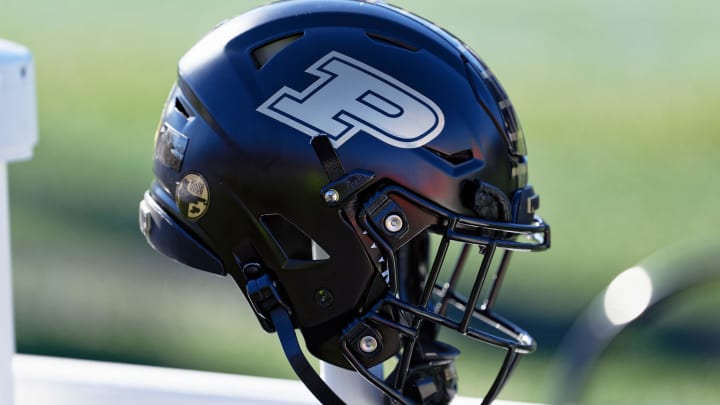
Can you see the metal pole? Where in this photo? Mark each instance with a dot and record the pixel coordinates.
(18, 135)
(350, 386)
(7, 328)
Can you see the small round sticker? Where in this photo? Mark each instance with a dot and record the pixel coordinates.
(192, 196)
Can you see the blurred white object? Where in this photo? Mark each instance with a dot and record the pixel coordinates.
(646, 290)
(49, 381)
(18, 135)
(18, 107)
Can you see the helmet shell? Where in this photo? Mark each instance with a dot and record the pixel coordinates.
(260, 174)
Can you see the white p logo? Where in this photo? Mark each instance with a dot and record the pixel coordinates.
(349, 97)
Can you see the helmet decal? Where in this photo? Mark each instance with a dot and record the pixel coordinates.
(192, 196)
(350, 97)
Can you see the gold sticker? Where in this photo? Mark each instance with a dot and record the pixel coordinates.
(192, 196)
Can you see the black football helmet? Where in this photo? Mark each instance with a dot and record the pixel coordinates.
(309, 149)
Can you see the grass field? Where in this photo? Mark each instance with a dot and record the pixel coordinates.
(618, 101)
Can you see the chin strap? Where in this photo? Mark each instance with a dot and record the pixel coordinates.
(266, 302)
(298, 362)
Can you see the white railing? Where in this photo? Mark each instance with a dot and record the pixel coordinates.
(43, 380)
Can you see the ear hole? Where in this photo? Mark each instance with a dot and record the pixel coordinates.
(262, 54)
(292, 242)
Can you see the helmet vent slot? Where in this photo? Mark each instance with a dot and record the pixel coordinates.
(391, 41)
(291, 241)
(180, 107)
(262, 54)
(453, 158)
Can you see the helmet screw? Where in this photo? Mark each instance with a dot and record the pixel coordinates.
(332, 196)
(145, 223)
(145, 220)
(324, 298)
(252, 271)
(368, 344)
(393, 223)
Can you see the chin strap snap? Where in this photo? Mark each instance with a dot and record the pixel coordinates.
(267, 303)
(432, 377)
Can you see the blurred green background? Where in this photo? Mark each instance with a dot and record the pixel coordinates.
(618, 101)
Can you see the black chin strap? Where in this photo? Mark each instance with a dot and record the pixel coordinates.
(266, 301)
(298, 362)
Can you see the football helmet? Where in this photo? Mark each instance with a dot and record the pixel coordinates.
(310, 149)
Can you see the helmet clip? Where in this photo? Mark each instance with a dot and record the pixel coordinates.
(338, 191)
(262, 292)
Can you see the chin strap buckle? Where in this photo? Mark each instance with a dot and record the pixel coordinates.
(262, 292)
(432, 377)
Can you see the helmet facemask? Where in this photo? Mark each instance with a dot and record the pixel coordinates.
(396, 223)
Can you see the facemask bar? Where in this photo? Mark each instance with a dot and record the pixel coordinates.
(473, 232)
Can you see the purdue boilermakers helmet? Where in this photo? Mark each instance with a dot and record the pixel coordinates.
(311, 149)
